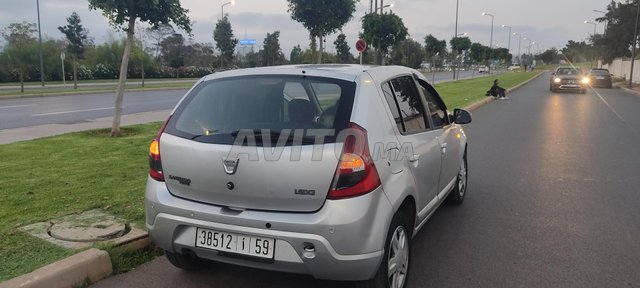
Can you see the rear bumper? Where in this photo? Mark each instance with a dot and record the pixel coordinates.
(348, 235)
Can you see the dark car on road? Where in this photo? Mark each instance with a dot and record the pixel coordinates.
(600, 78)
(569, 79)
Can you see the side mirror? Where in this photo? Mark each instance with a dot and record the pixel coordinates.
(461, 116)
(553, 74)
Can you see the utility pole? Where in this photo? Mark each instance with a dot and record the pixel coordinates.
(635, 43)
(40, 40)
(455, 35)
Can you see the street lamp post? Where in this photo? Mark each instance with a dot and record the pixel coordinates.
(519, 42)
(40, 47)
(386, 6)
(455, 35)
(490, 39)
(635, 42)
(64, 78)
(232, 2)
(508, 45)
(593, 39)
(606, 23)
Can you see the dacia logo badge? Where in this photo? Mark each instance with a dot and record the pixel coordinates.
(230, 165)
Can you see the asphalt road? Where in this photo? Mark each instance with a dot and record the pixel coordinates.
(26, 112)
(553, 201)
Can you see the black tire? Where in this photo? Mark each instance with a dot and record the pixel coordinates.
(456, 196)
(186, 262)
(400, 230)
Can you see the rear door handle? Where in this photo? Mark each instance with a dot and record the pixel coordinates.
(414, 158)
(443, 147)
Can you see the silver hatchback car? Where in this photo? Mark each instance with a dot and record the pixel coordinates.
(327, 170)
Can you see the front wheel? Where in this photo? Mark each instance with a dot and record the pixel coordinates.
(456, 196)
(394, 269)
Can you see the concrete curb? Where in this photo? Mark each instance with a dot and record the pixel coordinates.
(88, 266)
(478, 104)
(630, 90)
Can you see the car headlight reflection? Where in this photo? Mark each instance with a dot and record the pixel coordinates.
(585, 80)
(556, 80)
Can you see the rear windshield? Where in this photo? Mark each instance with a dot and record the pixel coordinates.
(218, 111)
(600, 72)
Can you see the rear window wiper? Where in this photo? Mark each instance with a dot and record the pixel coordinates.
(274, 135)
(206, 133)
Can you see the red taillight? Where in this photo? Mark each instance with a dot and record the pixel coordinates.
(155, 165)
(356, 173)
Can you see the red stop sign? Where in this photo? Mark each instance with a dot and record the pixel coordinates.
(361, 45)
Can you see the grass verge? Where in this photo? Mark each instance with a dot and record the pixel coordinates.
(56, 176)
(457, 94)
(51, 177)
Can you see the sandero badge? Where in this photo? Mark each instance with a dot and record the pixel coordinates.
(230, 165)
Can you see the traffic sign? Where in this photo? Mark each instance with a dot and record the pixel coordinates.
(361, 45)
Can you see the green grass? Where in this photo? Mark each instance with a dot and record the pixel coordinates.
(51, 177)
(124, 260)
(457, 94)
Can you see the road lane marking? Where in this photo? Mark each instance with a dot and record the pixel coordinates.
(616, 112)
(16, 106)
(73, 111)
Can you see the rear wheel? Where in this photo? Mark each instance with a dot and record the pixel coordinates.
(394, 269)
(456, 196)
(189, 262)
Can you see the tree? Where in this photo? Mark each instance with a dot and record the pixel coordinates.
(549, 56)
(322, 17)
(20, 53)
(478, 53)
(76, 38)
(159, 33)
(618, 37)
(433, 46)
(460, 44)
(576, 51)
(272, 53)
(123, 15)
(173, 52)
(383, 31)
(343, 50)
(226, 43)
(502, 55)
(296, 55)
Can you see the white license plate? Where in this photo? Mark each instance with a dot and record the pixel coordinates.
(600, 78)
(235, 243)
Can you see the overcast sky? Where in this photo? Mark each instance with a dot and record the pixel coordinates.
(551, 23)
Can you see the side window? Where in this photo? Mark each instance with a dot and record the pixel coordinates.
(437, 111)
(395, 111)
(409, 104)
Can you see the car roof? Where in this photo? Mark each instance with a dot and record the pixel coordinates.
(347, 72)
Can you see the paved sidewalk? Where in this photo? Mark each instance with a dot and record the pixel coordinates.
(29, 133)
